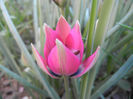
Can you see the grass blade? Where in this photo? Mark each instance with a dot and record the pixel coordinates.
(89, 46)
(42, 35)
(123, 20)
(126, 26)
(35, 21)
(8, 56)
(99, 38)
(123, 41)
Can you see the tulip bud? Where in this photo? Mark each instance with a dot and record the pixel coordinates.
(60, 3)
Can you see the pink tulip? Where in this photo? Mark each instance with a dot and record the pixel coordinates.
(63, 51)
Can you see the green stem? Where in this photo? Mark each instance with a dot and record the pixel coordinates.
(35, 19)
(75, 88)
(89, 46)
(66, 84)
(62, 11)
(99, 38)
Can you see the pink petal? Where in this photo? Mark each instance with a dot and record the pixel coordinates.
(88, 63)
(50, 40)
(40, 61)
(62, 61)
(74, 40)
(62, 29)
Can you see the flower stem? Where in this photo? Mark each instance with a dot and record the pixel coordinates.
(66, 84)
(101, 32)
(62, 11)
(89, 49)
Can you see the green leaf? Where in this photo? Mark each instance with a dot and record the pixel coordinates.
(126, 26)
(124, 40)
(115, 78)
(100, 35)
(8, 56)
(89, 48)
(117, 26)
(124, 84)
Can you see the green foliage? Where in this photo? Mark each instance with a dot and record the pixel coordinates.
(114, 78)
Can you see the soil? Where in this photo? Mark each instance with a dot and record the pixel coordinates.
(11, 89)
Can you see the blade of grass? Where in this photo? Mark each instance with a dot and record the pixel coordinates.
(7, 54)
(102, 97)
(89, 46)
(103, 22)
(75, 88)
(117, 26)
(113, 16)
(125, 8)
(86, 30)
(126, 26)
(125, 50)
(120, 6)
(22, 80)
(42, 35)
(76, 9)
(27, 55)
(91, 29)
(35, 20)
(115, 78)
(126, 39)
(84, 4)
(99, 38)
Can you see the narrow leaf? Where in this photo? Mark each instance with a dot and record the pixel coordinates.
(126, 26)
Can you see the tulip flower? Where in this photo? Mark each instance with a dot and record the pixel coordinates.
(63, 51)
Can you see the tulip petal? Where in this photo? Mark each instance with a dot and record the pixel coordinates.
(74, 40)
(61, 60)
(40, 62)
(50, 40)
(87, 64)
(62, 29)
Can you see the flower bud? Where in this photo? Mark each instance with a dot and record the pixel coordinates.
(60, 3)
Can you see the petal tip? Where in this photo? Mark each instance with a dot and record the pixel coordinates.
(45, 26)
(58, 42)
(98, 50)
(62, 19)
(77, 26)
(77, 22)
(32, 46)
(98, 47)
